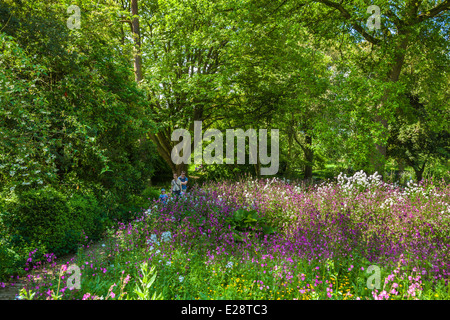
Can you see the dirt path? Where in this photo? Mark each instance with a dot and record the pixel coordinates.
(9, 292)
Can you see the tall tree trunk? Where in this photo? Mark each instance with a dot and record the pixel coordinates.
(379, 157)
(164, 143)
(289, 157)
(309, 157)
(401, 169)
(257, 167)
(137, 41)
(164, 147)
(419, 171)
(181, 167)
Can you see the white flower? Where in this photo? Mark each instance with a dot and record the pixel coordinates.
(166, 236)
(153, 239)
(168, 263)
(229, 264)
(103, 245)
(181, 278)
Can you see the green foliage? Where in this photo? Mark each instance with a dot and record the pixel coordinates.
(415, 141)
(248, 222)
(142, 289)
(151, 193)
(87, 214)
(129, 205)
(71, 111)
(219, 172)
(49, 217)
(40, 215)
(14, 255)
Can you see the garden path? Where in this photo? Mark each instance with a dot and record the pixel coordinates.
(9, 292)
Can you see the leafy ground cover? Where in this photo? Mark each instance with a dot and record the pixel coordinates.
(354, 238)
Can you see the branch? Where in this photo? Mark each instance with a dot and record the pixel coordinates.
(301, 145)
(396, 20)
(347, 15)
(127, 21)
(282, 4)
(434, 12)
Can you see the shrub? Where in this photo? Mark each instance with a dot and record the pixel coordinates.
(49, 217)
(137, 203)
(14, 257)
(151, 193)
(39, 215)
(87, 216)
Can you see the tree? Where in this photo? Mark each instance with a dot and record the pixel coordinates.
(414, 141)
(71, 113)
(383, 53)
(185, 68)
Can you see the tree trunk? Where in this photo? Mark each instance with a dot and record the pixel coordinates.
(164, 144)
(290, 142)
(164, 148)
(379, 158)
(181, 167)
(309, 157)
(401, 169)
(137, 41)
(419, 173)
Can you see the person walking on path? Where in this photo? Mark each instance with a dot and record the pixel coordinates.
(184, 180)
(176, 185)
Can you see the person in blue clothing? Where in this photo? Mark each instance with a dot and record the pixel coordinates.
(184, 180)
(163, 197)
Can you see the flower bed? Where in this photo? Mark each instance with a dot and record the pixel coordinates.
(272, 239)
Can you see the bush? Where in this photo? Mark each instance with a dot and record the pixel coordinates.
(151, 193)
(14, 257)
(49, 217)
(136, 203)
(39, 215)
(87, 215)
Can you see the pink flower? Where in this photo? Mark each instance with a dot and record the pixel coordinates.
(86, 296)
